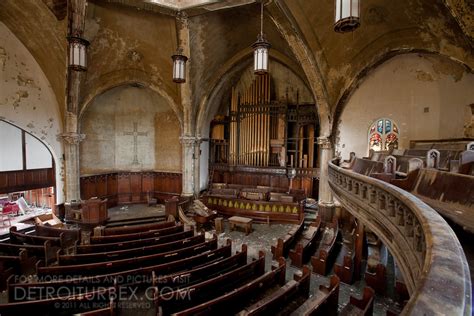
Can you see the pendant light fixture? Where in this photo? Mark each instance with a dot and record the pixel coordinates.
(179, 66)
(77, 53)
(179, 59)
(347, 15)
(261, 47)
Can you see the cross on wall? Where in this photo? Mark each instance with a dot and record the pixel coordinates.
(135, 135)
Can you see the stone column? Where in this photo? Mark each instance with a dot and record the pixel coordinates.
(71, 171)
(325, 202)
(197, 166)
(71, 136)
(188, 144)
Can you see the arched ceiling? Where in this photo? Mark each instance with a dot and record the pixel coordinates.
(136, 36)
(35, 25)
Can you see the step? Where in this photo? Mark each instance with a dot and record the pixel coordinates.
(136, 221)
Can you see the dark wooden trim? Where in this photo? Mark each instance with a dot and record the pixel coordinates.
(24, 180)
(127, 187)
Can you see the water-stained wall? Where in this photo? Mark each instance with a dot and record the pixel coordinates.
(27, 100)
(428, 96)
(130, 128)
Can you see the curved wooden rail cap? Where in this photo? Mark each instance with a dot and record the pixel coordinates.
(425, 247)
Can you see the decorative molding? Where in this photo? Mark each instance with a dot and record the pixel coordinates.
(424, 246)
(71, 138)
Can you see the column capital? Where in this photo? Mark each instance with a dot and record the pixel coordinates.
(191, 140)
(324, 143)
(72, 138)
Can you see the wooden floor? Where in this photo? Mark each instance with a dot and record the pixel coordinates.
(134, 212)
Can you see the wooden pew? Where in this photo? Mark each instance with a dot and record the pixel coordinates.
(344, 265)
(30, 239)
(83, 249)
(229, 303)
(123, 230)
(306, 244)
(140, 235)
(64, 260)
(45, 252)
(124, 264)
(137, 276)
(203, 272)
(168, 302)
(16, 265)
(367, 167)
(451, 194)
(322, 260)
(281, 299)
(284, 244)
(69, 236)
(375, 275)
(58, 305)
(363, 306)
(323, 302)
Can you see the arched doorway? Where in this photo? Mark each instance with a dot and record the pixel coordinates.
(27, 168)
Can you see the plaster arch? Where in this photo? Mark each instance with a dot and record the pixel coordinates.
(129, 77)
(129, 127)
(371, 66)
(426, 94)
(286, 25)
(58, 162)
(235, 65)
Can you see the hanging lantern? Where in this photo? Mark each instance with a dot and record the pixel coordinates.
(261, 47)
(78, 53)
(179, 67)
(347, 15)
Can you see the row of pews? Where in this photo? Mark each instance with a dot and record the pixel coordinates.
(443, 179)
(339, 247)
(170, 269)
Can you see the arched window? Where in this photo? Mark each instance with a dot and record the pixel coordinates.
(383, 135)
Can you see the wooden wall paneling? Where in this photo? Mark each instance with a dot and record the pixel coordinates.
(148, 184)
(136, 187)
(12, 180)
(101, 185)
(307, 185)
(158, 182)
(123, 188)
(112, 199)
(3, 181)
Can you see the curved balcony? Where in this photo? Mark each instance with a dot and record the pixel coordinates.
(426, 249)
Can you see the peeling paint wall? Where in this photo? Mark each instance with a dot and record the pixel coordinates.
(119, 116)
(27, 99)
(427, 95)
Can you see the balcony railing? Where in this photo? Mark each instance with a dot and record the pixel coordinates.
(424, 246)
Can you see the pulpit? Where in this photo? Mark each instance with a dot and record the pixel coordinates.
(90, 212)
(94, 211)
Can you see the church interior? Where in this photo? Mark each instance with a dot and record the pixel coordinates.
(236, 157)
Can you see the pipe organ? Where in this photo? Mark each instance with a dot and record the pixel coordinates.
(255, 124)
(261, 132)
(263, 142)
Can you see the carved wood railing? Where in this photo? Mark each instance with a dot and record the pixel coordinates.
(425, 248)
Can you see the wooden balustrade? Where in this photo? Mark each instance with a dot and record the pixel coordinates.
(426, 249)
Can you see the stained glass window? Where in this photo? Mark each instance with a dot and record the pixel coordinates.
(383, 135)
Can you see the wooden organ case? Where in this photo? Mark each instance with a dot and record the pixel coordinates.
(263, 144)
